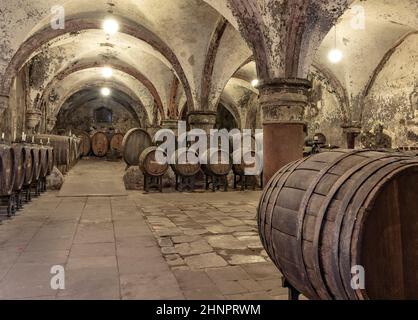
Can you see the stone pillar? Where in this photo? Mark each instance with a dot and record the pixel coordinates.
(283, 103)
(351, 133)
(4, 103)
(202, 120)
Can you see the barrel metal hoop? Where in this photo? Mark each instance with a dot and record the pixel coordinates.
(344, 204)
(349, 230)
(302, 214)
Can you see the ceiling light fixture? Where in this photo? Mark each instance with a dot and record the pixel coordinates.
(110, 26)
(105, 92)
(107, 72)
(255, 83)
(335, 55)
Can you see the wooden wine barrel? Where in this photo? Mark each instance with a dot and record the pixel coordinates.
(220, 165)
(21, 164)
(99, 144)
(61, 145)
(44, 161)
(29, 156)
(51, 159)
(184, 169)
(74, 150)
(85, 143)
(322, 215)
(37, 165)
(134, 143)
(116, 142)
(149, 165)
(7, 170)
(248, 166)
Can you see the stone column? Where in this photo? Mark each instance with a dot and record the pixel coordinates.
(202, 120)
(351, 132)
(283, 103)
(4, 103)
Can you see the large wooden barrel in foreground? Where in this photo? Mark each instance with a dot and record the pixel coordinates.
(134, 143)
(149, 165)
(99, 144)
(21, 163)
(7, 170)
(322, 215)
(219, 162)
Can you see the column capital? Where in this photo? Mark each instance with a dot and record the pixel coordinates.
(33, 117)
(284, 100)
(202, 120)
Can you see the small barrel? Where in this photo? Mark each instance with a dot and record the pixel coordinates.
(218, 162)
(100, 144)
(21, 164)
(251, 163)
(184, 168)
(85, 143)
(7, 170)
(149, 165)
(332, 219)
(134, 143)
(116, 143)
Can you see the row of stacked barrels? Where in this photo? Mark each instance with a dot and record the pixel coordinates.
(66, 149)
(139, 150)
(100, 144)
(23, 171)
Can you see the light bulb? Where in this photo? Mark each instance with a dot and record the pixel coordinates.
(105, 92)
(107, 72)
(335, 56)
(255, 83)
(110, 26)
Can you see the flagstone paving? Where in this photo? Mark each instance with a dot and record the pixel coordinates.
(141, 246)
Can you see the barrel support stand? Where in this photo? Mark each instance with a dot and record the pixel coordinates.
(9, 202)
(216, 182)
(27, 193)
(185, 183)
(293, 293)
(42, 184)
(245, 181)
(19, 199)
(153, 182)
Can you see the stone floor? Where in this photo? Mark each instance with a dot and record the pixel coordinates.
(140, 246)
